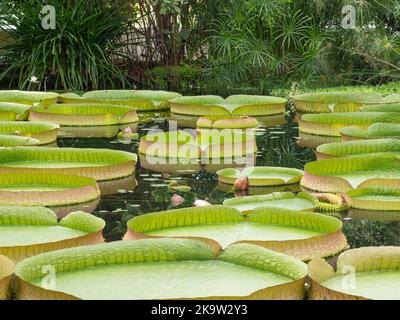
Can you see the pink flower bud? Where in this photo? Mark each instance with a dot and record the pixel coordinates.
(242, 183)
(202, 203)
(177, 200)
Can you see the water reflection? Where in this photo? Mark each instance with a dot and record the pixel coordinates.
(124, 185)
(191, 166)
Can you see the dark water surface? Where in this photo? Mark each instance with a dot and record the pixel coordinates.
(278, 146)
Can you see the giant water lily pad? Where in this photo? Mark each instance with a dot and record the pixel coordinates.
(233, 105)
(358, 147)
(377, 199)
(6, 271)
(331, 123)
(324, 102)
(28, 97)
(163, 269)
(206, 144)
(302, 201)
(261, 176)
(118, 186)
(227, 122)
(363, 273)
(190, 121)
(299, 233)
(374, 131)
(390, 107)
(142, 100)
(26, 231)
(44, 132)
(84, 114)
(15, 141)
(183, 166)
(253, 191)
(13, 111)
(312, 140)
(100, 164)
(46, 189)
(344, 174)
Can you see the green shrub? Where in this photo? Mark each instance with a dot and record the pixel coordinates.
(77, 55)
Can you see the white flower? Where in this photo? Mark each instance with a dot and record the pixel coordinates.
(33, 79)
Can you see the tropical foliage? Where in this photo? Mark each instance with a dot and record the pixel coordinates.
(77, 54)
(203, 46)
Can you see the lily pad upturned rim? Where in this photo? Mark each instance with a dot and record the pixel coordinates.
(374, 131)
(87, 114)
(352, 198)
(142, 100)
(210, 105)
(227, 122)
(76, 190)
(381, 107)
(322, 175)
(330, 242)
(119, 163)
(206, 144)
(10, 111)
(6, 272)
(28, 97)
(190, 121)
(314, 102)
(230, 175)
(330, 124)
(153, 250)
(274, 196)
(40, 216)
(332, 96)
(364, 259)
(357, 148)
(17, 141)
(45, 132)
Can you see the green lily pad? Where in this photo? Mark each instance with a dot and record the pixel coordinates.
(344, 174)
(261, 176)
(330, 124)
(167, 268)
(325, 102)
(374, 131)
(15, 141)
(362, 273)
(6, 272)
(227, 122)
(302, 201)
(378, 199)
(26, 231)
(45, 132)
(13, 111)
(206, 144)
(84, 114)
(142, 100)
(46, 190)
(28, 97)
(390, 107)
(233, 105)
(280, 229)
(358, 148)
(100, 164)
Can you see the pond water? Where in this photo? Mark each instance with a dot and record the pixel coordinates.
(278, 146)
